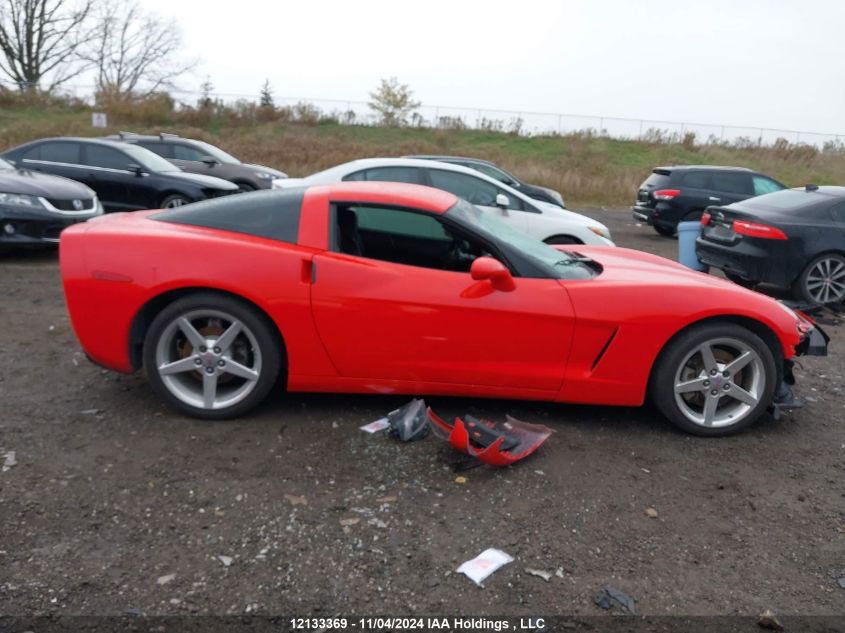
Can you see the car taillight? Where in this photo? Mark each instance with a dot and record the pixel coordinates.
(705, 219)
(755, 229)
(666, 194)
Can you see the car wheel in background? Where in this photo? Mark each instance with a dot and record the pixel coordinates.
(823, 280)
(666, 231)
(740, 281)
(211, 356)
(563, 239)
(714, 379)
(176, 200)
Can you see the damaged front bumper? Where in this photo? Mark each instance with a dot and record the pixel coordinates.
(813, 343)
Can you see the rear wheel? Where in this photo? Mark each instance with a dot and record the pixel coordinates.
(823, 280)
(714, 379)
(563, 239)
(666, 231)
(211, 356)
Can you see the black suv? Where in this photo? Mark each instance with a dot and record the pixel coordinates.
(199, 157)
(497, 173)
(125, 177)
(681, 193)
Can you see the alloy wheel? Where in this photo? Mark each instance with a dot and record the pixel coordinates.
(719, 383)
(825, 281)
(208, 359)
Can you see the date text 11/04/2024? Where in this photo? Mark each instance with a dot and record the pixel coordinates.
(419, 624)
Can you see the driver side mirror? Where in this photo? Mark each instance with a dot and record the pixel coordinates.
(487, 268)
(210, 161)
(136, 169)
(502, 201)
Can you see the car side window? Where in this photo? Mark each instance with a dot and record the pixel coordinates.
(401, 237)
(106, 157)
(471, 189)
(186, 152)
(410, 175)
(165, 150)
(765, 185)
(732, 183)
(696, 180)
(60, 152)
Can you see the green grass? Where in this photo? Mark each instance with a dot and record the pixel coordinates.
(588, 170)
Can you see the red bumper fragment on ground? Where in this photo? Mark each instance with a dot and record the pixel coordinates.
(497, 444)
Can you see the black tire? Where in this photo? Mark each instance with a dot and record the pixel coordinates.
(758, 378)
(665, 231)
(175, 200)
(563, 239)
(739, 281)
(256, 348)
(807, 288)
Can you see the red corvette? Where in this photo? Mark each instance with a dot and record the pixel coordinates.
(391, 288)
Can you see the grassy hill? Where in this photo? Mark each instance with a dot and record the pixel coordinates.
(587, 169)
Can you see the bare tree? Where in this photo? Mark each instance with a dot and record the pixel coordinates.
(40, 41)
(135, 53)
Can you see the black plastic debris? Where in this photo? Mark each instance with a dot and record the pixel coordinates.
(611, 597)
(409, 422)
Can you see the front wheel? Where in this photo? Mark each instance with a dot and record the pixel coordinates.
(211, 356)
(714, 379)
(176, 200)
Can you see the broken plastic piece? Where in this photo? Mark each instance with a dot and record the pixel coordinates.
(610, 597)
(491, 442)
(378, 425)
(484, 564)
(409, 422)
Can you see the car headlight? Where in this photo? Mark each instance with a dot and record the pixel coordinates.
(21, 201)
(601, 231)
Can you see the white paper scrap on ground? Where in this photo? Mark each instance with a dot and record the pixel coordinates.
(484, 564)
(374, 427)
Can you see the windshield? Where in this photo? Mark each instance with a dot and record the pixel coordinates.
(216, 152)
(557, 264)
(5, 165)
(147, 159)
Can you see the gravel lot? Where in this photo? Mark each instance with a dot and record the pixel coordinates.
(116, 505)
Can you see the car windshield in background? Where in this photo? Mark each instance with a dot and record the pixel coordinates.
(216, 152)
(147, 159)
(5, 165)
(558, 264)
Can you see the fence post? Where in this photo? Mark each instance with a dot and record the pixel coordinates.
(559, 124)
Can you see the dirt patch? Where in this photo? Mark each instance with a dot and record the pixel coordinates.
(118, 505)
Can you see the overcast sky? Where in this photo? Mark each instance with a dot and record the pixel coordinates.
(764, 63)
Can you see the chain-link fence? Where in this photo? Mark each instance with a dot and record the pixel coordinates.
(528, 123)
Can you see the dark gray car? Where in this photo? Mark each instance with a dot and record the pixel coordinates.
(199, 157)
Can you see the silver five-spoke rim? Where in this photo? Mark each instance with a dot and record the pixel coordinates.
(826, 280)
(208, 359)
(176, 202)
(719, 382)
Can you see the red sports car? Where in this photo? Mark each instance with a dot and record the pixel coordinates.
(391, 288)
